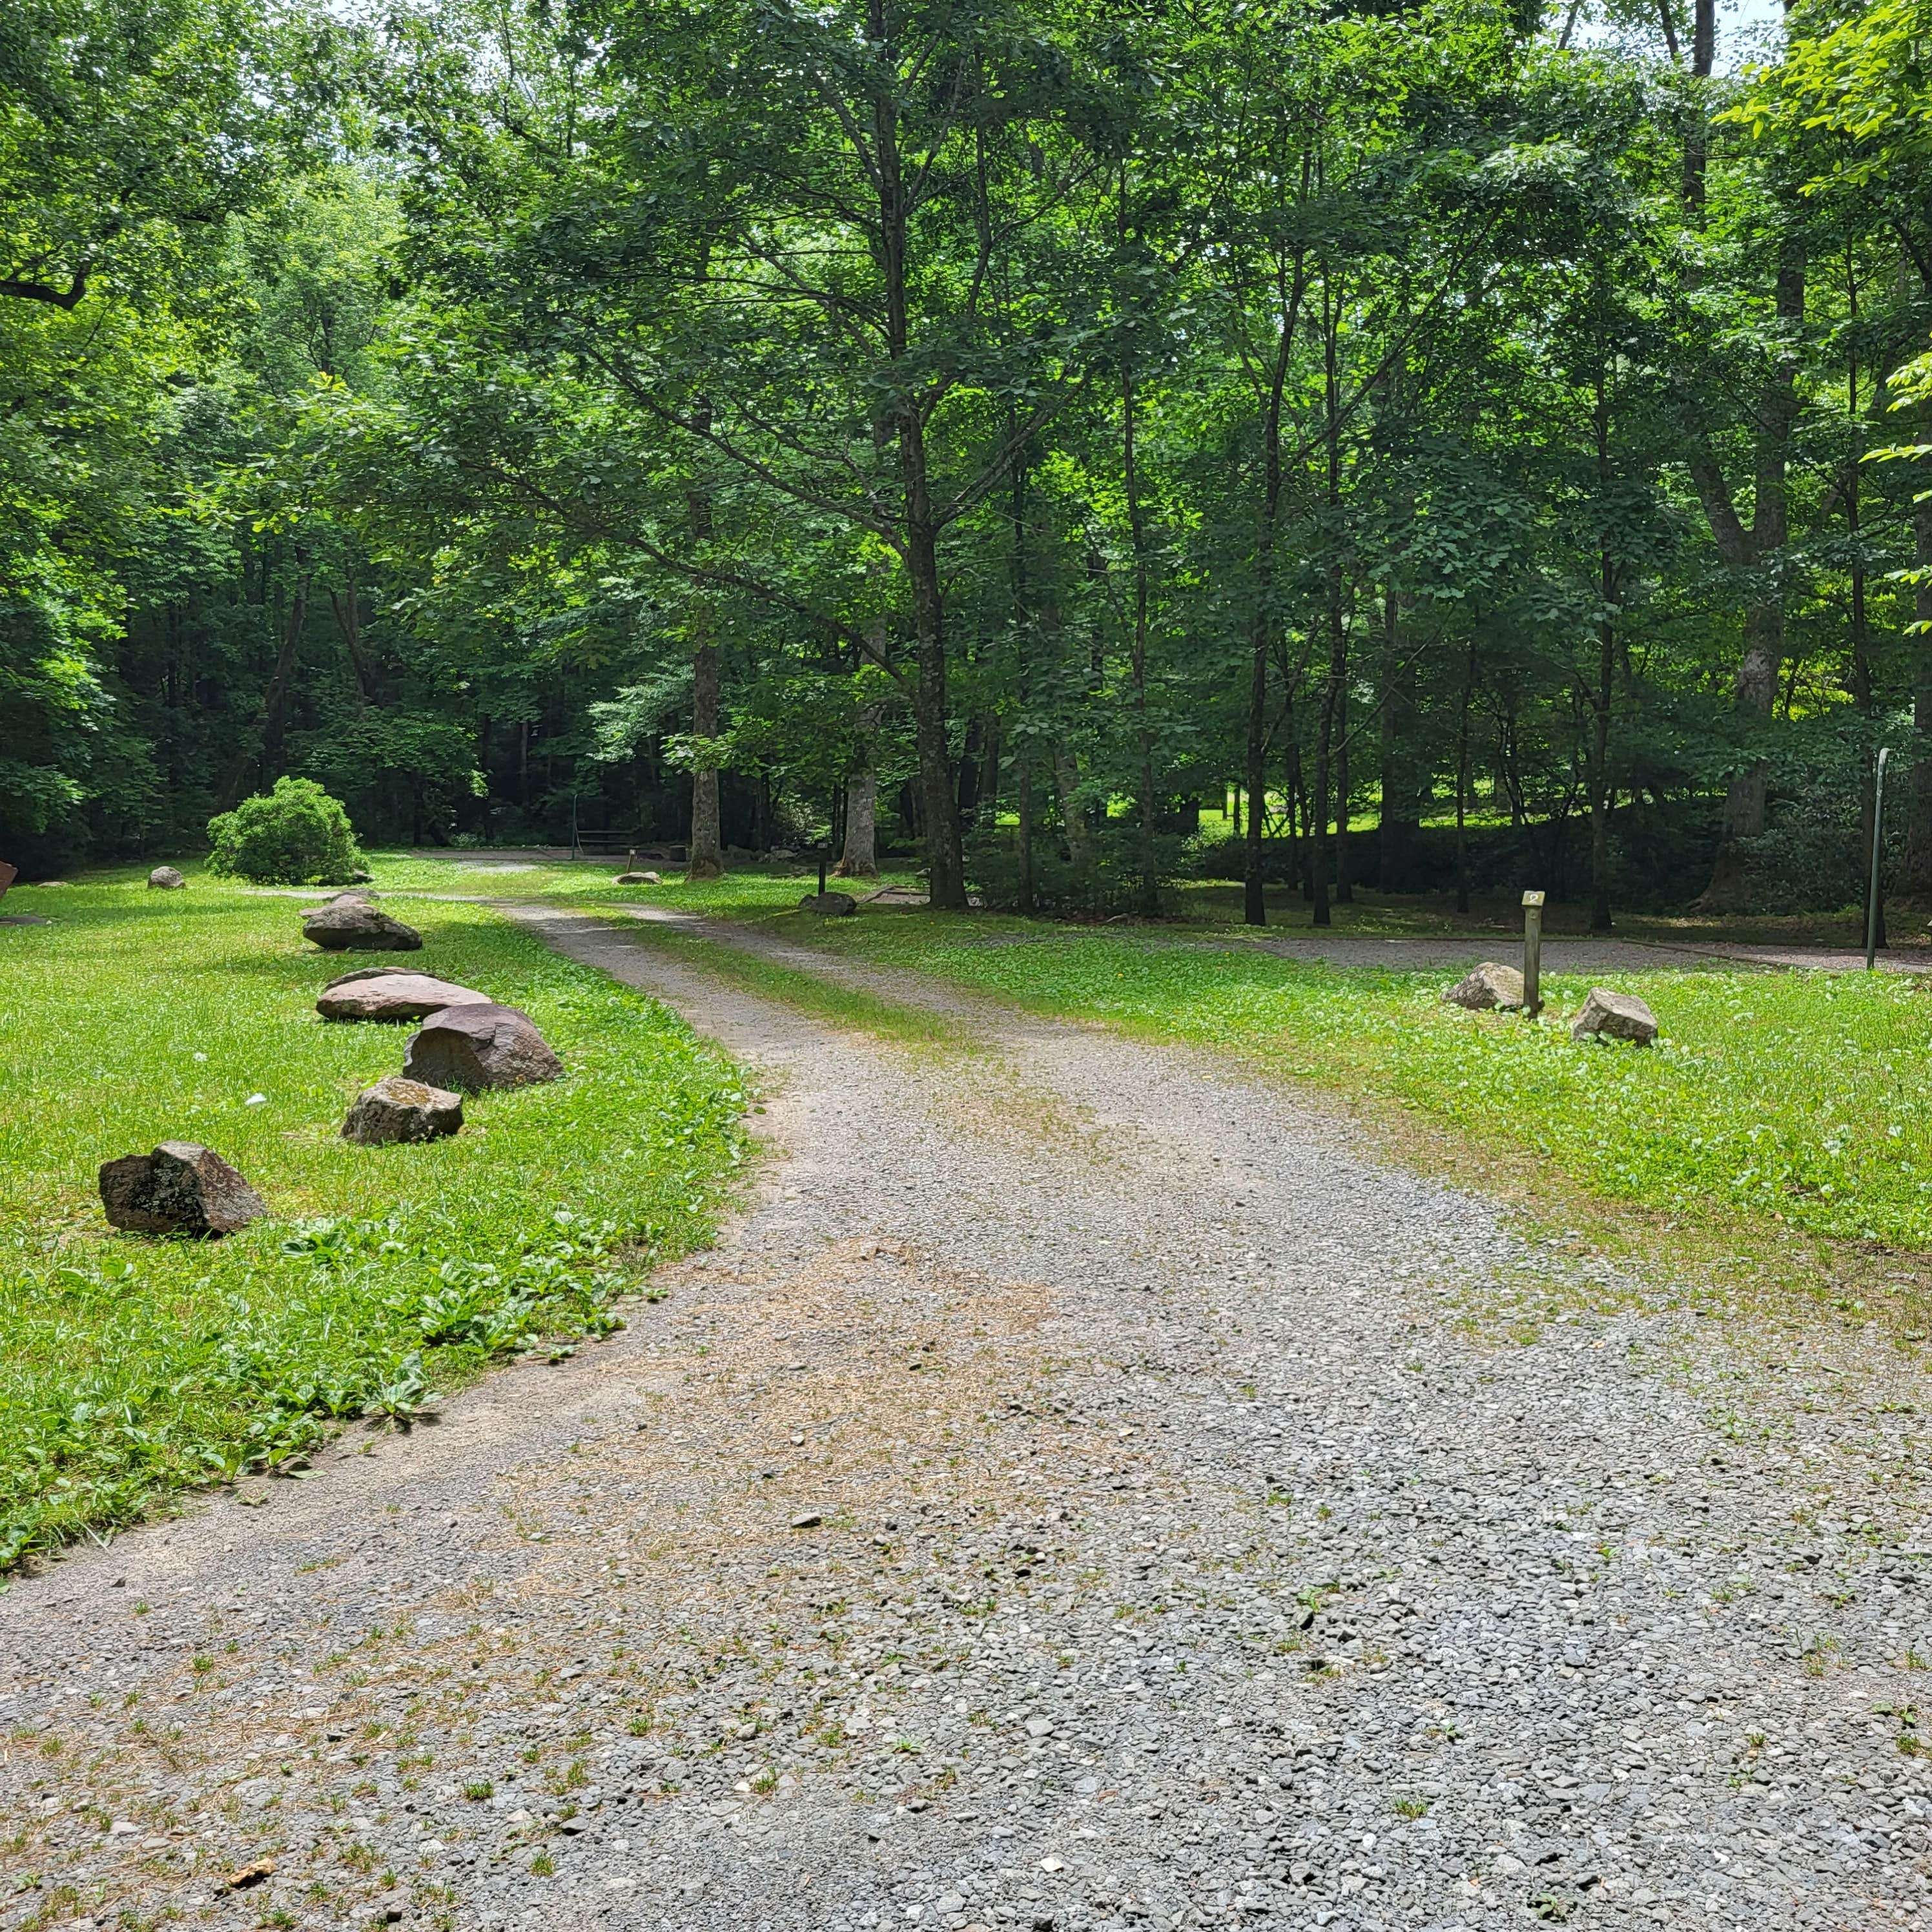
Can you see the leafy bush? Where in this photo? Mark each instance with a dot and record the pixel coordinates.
(295, 836)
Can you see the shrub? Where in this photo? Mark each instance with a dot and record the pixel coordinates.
(295, 836)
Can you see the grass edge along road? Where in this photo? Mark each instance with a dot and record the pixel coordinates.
(134, 1368)
(1783, 1124)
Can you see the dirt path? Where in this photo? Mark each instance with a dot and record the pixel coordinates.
(1082, 1491)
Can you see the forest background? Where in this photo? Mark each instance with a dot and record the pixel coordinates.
(1461, 447)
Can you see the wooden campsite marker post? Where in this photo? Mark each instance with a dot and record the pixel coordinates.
(1532, 954)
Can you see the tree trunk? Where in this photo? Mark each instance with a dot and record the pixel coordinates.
(1400, 827)
(1696, 136)
(1599, 768)
(1606, 639)
(1861, 679)
(1462, 779)
(705, 858)
(1066, 777)
(1148, 901)
(860, 858)
(1024, 898)
(1751, 551)
(972, 762)
(1288, 289)
(939, 808)
(1324, 742)
(1344, 879)
(268, 722)
(1917, 879)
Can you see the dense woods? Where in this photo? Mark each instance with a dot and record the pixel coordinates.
(1469, 448)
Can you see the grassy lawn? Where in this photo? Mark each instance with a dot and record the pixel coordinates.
(133, 1367)
(748, 892)
(1800, 1099)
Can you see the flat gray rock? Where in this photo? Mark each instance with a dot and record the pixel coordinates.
(346, 924)
(1486, 988)
(1615, 1016)
(399, 1109)
(471, 1047)
(182, 1188)
(378, 995)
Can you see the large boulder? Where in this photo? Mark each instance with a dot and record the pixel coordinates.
(1486, 988)
(829, 905)
(473, 1047)
(400, 1108)
(1611, 1015)
(182, 1188)
(380, 995)
(347, 923)
(165, 879)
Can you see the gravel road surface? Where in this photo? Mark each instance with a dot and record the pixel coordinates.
(1086, 1490)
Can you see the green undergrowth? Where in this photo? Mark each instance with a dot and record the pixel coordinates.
(1798, 1098)
(131, 1367)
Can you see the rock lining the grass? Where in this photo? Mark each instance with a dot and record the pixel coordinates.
(347, 923)
(829, 905)
(377, 994)
(1615, 1016)
(471, 1047)
(182, 1188)
(639, 879)
(1487, 988)
(165, 879)
(399, 1109)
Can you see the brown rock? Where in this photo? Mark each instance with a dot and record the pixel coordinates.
(182, 1188)
(1615, 1016)
(1486, 988)
(165, 879)
(829, 905)
(346, 923)
(472, 1047)
(400, 1108)
(378, 995)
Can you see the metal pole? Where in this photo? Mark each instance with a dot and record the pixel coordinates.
(1532, 954)
(821, 871)
(1878, 852)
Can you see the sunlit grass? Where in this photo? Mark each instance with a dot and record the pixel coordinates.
(130, 1366)
(1804, 1098)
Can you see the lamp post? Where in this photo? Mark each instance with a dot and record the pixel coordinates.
(1877, 853)
(1532, 954)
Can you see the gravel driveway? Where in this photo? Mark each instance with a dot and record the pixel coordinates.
(1085, 1490)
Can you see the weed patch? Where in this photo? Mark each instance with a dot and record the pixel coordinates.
(132, 1367)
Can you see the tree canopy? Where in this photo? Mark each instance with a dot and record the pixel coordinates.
(1461, 449)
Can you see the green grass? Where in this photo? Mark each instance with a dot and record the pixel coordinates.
(1802, 1098)
(133, 1367)
(749, 892)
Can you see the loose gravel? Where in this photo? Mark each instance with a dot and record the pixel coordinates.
(1085, 1490)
